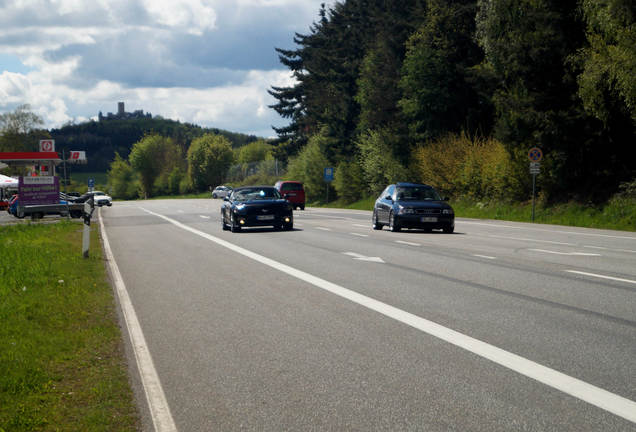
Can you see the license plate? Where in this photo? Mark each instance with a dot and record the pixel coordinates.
(265, 217)
(291, 194)
(429, 219)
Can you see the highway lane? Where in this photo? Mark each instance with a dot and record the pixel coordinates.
(240, 345)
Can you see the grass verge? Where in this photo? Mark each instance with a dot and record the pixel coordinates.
(62, 366)
(618, 213)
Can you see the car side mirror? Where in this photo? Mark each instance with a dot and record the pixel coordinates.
(388, 198)
(446, 199)
(225, 198)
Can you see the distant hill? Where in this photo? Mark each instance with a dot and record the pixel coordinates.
(101, 139)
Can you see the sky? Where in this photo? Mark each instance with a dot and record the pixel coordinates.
(207, 62)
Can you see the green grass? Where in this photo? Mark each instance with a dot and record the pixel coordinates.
(61, 360)
(618, 213)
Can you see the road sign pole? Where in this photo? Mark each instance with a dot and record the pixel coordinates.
(534, 181)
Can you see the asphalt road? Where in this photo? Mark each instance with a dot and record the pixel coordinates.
(334, 326)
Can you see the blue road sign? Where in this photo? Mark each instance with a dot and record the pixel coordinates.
(91, 182)
(328, 174)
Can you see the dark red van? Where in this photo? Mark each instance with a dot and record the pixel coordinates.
(292, 191)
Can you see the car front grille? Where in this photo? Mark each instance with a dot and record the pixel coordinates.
(428, 211)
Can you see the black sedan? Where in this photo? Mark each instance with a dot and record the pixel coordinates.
(411, 205)
(256, 206)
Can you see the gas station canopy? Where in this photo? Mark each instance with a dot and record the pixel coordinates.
(29, 158)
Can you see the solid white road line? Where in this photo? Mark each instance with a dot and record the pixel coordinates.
(564, 253)
(547, 230)
(484, 256)
(408, 243)
(532, 240)
(602, 276)
(157, 403)
(596, 396)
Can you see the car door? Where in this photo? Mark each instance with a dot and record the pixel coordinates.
(384, 205)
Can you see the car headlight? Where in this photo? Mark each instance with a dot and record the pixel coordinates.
(239, 207)
(406, 210)
(447, 211)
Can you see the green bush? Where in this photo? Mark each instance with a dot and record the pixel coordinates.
(348, 181)
(308, 167)
(463, 167)
(379, 165)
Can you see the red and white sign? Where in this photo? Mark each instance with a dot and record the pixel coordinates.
(76, 156)
(47, 145)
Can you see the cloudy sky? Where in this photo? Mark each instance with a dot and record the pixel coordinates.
(208, 62)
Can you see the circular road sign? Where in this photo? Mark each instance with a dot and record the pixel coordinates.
(535, 154)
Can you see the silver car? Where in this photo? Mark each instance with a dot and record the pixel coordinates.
(221, 191)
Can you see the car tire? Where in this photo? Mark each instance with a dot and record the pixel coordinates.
(110, 204)
(393, 225)
(302, 206)
(223, 224)
(449, 229)
(376, 225)
(214, 196)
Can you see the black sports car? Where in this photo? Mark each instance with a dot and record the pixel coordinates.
(411, 205)
(254, 206)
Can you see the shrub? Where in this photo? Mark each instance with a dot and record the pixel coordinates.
(379, 165)
(348, 181)
(464, 167)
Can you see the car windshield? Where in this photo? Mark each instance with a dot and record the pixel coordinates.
(291, 187)
(417, 193)
(255, 194)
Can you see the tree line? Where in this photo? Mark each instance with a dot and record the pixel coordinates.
(455, 93)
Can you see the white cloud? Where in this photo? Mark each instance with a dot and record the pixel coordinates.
(191, 16)
(208, 62)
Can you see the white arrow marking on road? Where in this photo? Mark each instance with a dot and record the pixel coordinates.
(565, 253)
(359, 257)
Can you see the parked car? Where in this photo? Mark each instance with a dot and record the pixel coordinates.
(292, 191)
(221, 191)
(252, 206)
(101, 198)
(412, 205)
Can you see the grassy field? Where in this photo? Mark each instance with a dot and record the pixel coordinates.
(61, 363)
(618, 214)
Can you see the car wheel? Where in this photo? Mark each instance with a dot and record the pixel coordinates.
(289, 226)
(449, 229)
(376, 225)
(110, 204)
(302, 206)
(393, 225)
(223, 224)
(214, 196)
